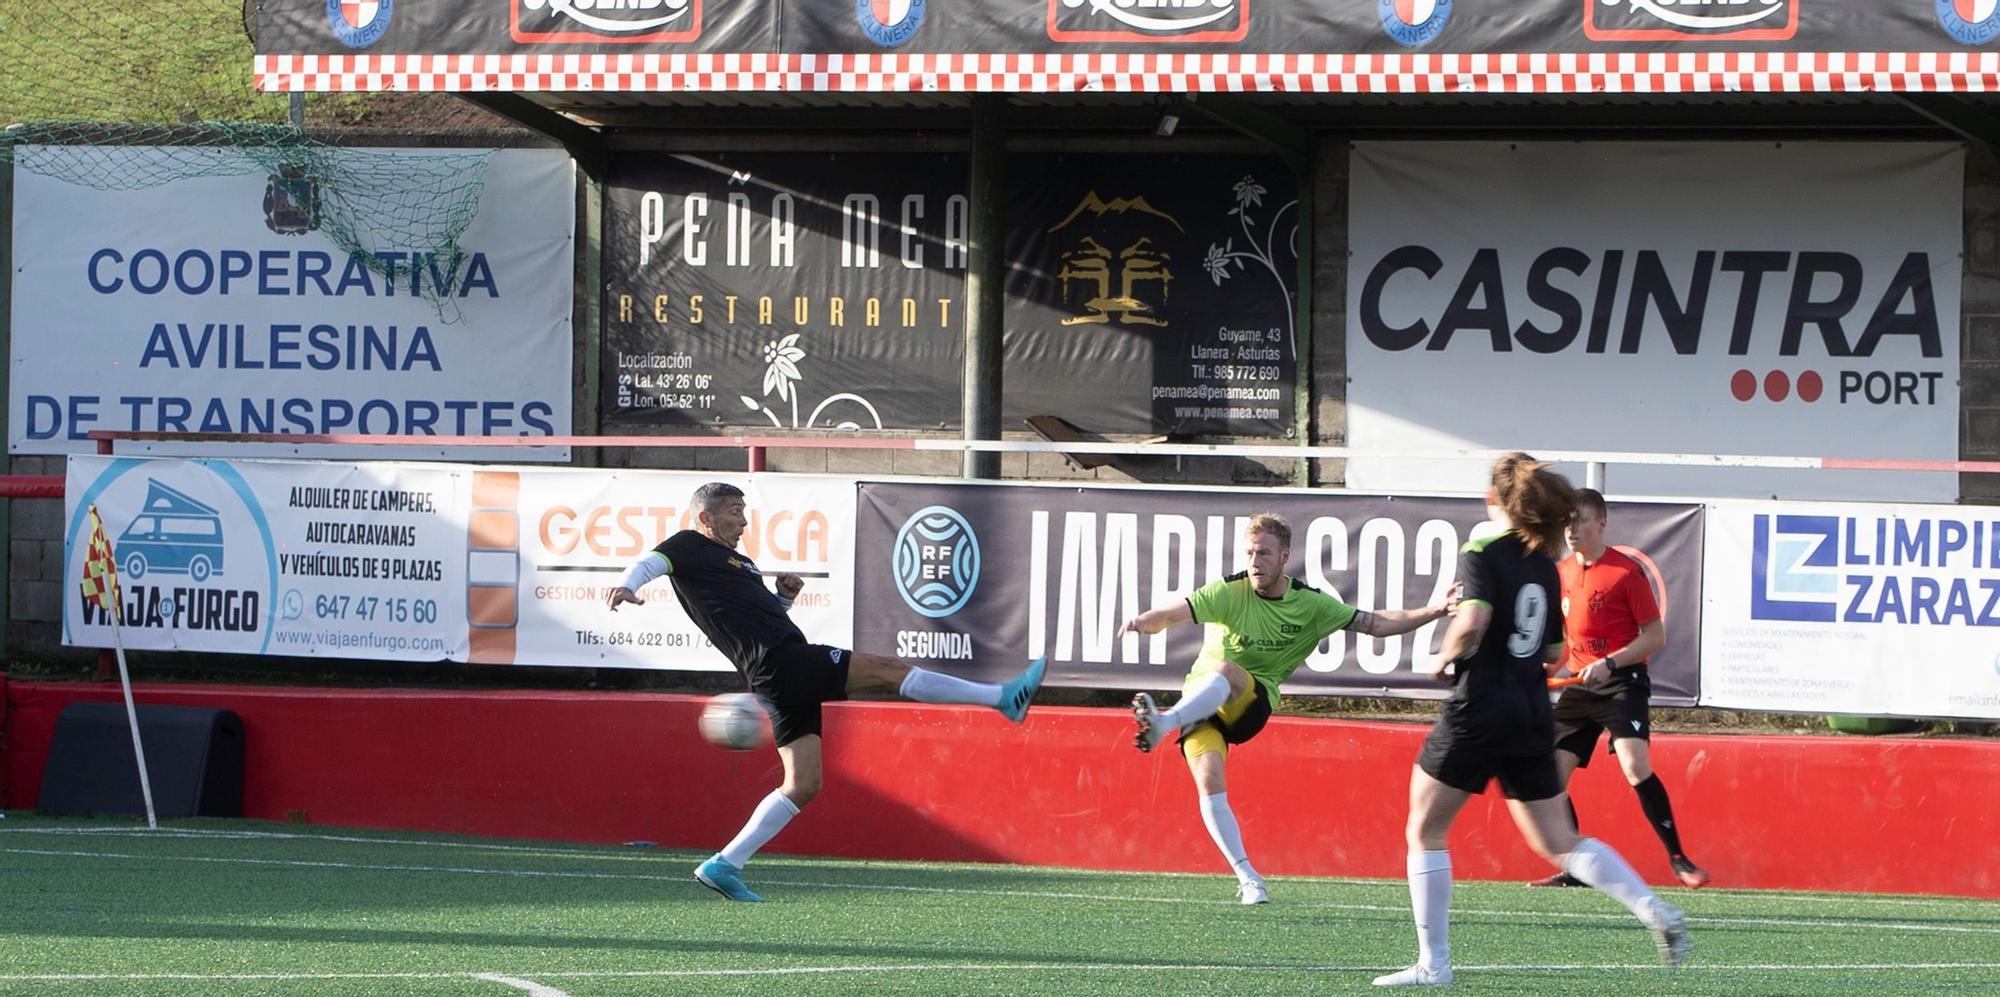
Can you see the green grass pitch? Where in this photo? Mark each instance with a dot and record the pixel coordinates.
(106, 907)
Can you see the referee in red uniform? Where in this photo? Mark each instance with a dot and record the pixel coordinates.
(1612, 625)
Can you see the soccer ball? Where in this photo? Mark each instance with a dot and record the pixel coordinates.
(736, 721)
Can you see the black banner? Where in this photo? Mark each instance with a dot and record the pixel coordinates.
(1145, 294)
(975, 579)
(384, 27)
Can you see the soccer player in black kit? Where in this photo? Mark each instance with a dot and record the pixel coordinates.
(724, 594)
(1497, 723)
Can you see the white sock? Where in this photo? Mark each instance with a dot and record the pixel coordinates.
(766, 821)
(1206, 696)
(937, 687)
(1430, 904)
(1221, 823)
(1595, 863)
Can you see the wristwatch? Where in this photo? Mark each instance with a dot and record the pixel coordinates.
(1611, 662)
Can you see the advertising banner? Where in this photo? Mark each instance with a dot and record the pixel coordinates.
(1886, 610)
(270, 557)
(1657, 297)
(408, 562)
(543, 604)
(1054, 26)
(976, 579)
(1145, 294)
(214, 303)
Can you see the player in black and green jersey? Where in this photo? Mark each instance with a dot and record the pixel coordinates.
(1497, 723)
(1261, 625)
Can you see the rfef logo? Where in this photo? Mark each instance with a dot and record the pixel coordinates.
(1972, 22)
(359, 23)
(1689, 20)
(1413, 22)
(616, 21)
(889, 23)
(936, 561)
(1149, 20)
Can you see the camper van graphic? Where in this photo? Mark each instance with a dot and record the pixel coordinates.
(173, 534)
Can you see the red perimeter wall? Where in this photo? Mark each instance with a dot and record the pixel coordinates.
(1315, 797)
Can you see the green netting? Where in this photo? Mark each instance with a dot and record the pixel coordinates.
(147, 93)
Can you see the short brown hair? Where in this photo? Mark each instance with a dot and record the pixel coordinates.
(1272, 523)
(1591, 500)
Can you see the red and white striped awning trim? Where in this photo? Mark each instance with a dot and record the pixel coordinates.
(1626, 72)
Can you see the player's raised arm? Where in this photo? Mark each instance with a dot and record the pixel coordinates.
(1158, 618)
(1390, 622)
(648, 567)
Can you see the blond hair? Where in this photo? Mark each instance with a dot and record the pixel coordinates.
(1272, 523)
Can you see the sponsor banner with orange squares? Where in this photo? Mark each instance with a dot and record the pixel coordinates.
(578, 531)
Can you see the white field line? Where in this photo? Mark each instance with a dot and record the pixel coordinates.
(996, 967)
(534, 989)
(1993, 929)
(614, 853)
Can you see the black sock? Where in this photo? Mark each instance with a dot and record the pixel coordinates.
(1574, 825)
(1659, 812)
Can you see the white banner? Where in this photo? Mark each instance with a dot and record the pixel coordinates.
(415, 562)
(1797, 298)
(270, 557)
(216, 304)
(1889, 610)
(579, 531)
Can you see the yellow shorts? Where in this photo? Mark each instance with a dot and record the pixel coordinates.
(1238, 721)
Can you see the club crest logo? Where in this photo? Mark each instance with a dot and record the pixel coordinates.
(889, 23)
(936, 561)
(1413, 23)
(1972, 22)
(359, 23)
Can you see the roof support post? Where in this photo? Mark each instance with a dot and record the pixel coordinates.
(985, 281)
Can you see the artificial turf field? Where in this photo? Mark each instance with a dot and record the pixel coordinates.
(240, 907)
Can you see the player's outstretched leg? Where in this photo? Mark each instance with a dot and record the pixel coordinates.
(1596, 864)
(1011, 698)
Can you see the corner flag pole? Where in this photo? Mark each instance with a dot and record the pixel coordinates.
(100, 583)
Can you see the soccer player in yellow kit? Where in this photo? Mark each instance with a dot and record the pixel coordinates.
(1261, 625)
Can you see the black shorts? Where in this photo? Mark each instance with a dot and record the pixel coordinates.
(1244, 727)
(1469, 768)
(797, 678)
(1582, 715)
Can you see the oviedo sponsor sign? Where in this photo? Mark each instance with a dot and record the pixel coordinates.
(976, 579)
(1875, 609)
(1672, 298)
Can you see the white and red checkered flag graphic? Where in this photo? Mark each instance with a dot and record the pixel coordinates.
(100, 569)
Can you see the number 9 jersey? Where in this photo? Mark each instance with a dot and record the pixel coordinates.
(1500, 699)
